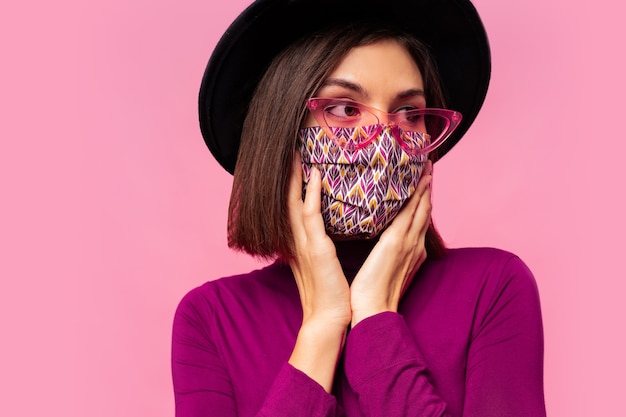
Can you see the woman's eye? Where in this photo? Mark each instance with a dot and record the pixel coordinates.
(409, 115)
(344, 110)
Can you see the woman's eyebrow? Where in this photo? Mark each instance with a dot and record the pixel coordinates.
(412, 92)
(357, 88)
(347, 85)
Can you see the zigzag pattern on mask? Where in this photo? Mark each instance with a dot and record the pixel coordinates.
(364, 189)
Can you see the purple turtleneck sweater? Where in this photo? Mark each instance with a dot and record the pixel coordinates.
(467, 341)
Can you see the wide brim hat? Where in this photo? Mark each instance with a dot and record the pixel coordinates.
(451, 29)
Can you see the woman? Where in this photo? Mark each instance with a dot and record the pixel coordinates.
(364, 312)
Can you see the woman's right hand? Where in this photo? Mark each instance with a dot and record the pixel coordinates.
(324, 290)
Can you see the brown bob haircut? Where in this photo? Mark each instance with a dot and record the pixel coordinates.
(258, 221)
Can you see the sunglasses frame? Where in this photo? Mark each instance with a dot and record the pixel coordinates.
(317, 106)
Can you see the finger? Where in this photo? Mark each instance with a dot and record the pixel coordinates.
(426, 199)
(421, 205)
(312, 209)
(428, 169)
(421, 219)
(425, 179)
(312, 198)
(417, 231)
(295, 181)
(422, 185)
(404, 219)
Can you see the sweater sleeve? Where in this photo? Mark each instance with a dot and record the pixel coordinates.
(390, 376)
(295, 394)
(505, 359)
(202, 383)
(387, 371)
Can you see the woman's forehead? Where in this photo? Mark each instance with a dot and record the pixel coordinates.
(382, 67)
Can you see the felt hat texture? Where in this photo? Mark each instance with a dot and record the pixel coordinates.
(451, 29)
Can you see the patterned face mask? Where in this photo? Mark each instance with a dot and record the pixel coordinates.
(362, 190)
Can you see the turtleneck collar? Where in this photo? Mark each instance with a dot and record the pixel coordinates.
(352, 255)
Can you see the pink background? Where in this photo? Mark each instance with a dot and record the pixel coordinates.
(112, 208)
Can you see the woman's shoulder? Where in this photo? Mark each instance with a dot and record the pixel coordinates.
(480, 268)
(242, 324)
(256, 289)
(466, 287)
(486, 259)
(478, 254)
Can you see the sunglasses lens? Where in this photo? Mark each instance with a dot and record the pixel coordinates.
(424, 131)
(350, 123)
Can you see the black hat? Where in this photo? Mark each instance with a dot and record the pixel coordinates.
(451, 29)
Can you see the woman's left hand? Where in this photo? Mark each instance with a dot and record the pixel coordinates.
(400, 251)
